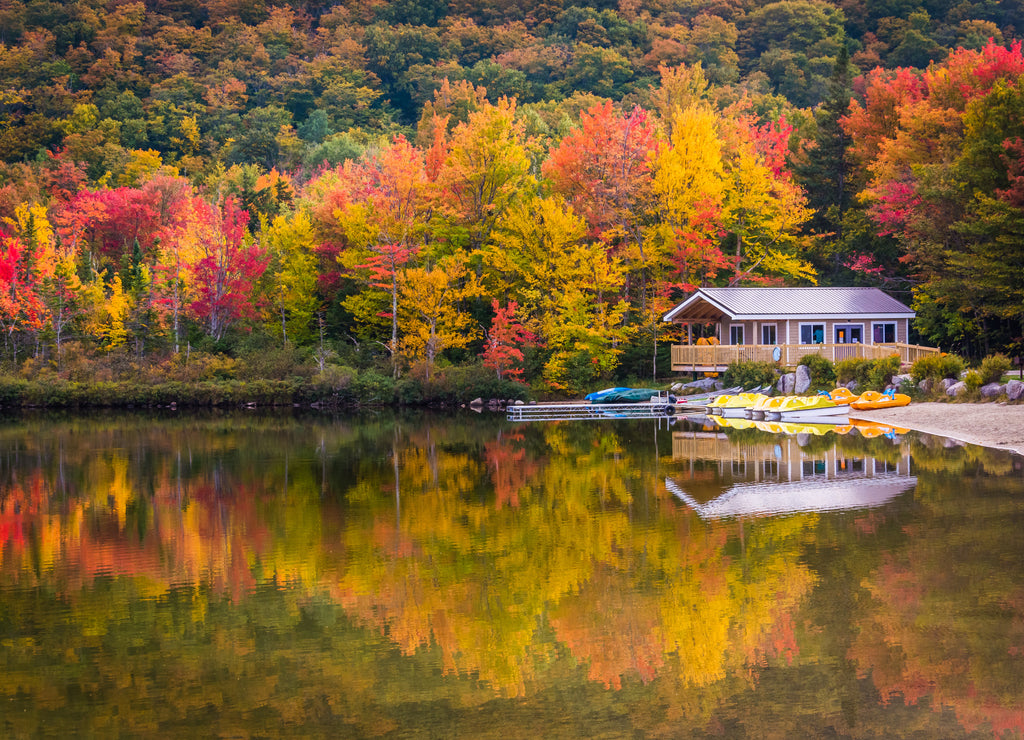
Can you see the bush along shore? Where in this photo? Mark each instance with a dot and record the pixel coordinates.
(276, 379)
(940, 377)
(337, 388)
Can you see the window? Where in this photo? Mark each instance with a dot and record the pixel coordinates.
(769, 334)
(883, 333)
(852, 466)
(812, 333)
(849, 333)
(811, 468)
(736, 334)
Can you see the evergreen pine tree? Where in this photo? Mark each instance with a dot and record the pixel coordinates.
(824, 174)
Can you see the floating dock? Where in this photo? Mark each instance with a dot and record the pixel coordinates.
(662, 409)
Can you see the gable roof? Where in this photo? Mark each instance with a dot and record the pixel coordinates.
(739, 304)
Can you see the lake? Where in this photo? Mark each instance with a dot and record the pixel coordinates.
(426, 575)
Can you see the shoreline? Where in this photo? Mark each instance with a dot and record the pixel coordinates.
(998, 425)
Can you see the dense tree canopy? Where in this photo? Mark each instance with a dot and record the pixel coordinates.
(384, 157)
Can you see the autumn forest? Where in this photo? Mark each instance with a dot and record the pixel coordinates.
(415, 185)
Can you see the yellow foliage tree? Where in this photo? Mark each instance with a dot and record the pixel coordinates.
(432, 318)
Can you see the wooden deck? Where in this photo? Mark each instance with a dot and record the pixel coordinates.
(717, 357)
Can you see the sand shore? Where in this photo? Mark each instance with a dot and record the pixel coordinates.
(987, 424)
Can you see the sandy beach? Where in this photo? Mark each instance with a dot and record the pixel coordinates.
(988, 424)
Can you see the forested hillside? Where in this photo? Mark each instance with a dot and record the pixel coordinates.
(408, 185)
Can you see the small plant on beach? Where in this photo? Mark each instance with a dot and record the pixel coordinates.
(823, 372)
(853, 368)
(750, 374)
(937, 367)
(973, 380)
(993, 367)
(881, 371)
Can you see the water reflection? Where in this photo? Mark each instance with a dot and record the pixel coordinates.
(780, 472)
(464, 576)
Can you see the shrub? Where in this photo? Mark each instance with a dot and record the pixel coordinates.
(880, 372)
(937, 366)
(993, 368)
(973, 380)
(277, 363)
(370, 387)
(869, 374)
(853, 368)
(750, 374)
(823, 372)
(455, 385)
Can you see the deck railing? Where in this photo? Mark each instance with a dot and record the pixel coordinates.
(718, 357)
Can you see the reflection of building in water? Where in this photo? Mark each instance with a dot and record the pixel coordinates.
(718, 478)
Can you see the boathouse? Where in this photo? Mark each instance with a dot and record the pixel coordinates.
(783, 324)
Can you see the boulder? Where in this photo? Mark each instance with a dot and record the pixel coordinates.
(991, 390)
(786, 384)
(476, 402)
(956, 389)
(945, 384)
(1015, 390)
(853, 385)
(520, 402)
(925, 385)
(803, 379)
(898, 380)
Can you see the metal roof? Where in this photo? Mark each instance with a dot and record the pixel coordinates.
(761, 303)
(798, 496)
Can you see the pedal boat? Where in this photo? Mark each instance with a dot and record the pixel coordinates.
(813, 410)
(874, 400)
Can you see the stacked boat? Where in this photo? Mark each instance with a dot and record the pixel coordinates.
(824, 408)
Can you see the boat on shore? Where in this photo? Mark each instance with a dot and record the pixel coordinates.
(626, 395)
(810, 409)
(736, 406)
(874, 400)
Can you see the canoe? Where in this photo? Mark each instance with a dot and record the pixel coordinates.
(875, 400)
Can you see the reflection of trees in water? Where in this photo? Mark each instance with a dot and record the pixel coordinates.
(509, 557)
(945, 623)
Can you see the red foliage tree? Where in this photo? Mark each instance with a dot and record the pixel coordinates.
(227, 271)
(505, 337)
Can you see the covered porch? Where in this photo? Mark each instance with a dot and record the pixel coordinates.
(784, 325)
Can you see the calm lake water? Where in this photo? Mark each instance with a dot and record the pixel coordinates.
(462, 576)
